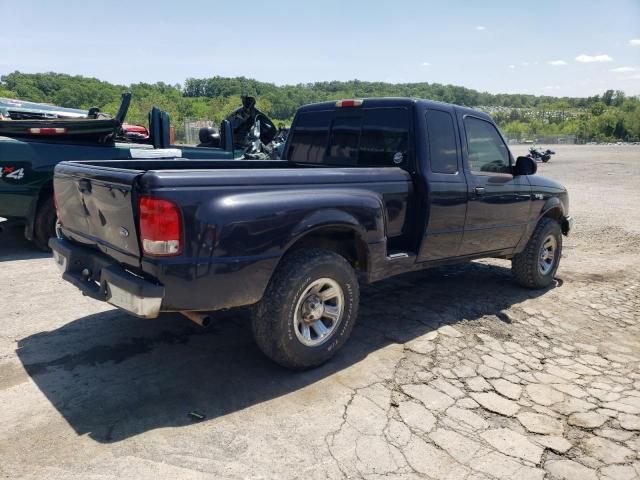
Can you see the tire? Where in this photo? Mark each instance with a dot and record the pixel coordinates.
(279, 324)
(44, 226)
(529, 268)
(545, 159)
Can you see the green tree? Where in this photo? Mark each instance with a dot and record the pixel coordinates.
(598, 108)
(612, 115)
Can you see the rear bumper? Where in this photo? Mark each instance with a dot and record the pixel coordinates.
(101, 278)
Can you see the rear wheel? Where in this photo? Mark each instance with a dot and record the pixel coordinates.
(308, 310)
(537, 264)
(44, 226)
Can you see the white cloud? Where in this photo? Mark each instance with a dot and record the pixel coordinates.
(634, 42)
(625, 69)
(426, 64)
(635, 76)
(480, 28)
(525, 64)
(552, 87)
(593, 58)
(512, 66)
(557, 62)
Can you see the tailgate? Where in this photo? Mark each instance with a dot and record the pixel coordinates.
(96, 207)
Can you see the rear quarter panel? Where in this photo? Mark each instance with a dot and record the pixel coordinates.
(237, 231)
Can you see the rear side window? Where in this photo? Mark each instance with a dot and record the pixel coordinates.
(443, 152)
(309, 138)
(384, 141)
(487, 151)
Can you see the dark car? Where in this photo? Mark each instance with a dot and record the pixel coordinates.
(374, 187)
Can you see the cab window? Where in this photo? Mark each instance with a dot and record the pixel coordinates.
(486, 151)
(344, 141)
(384, 141)
(375, 137)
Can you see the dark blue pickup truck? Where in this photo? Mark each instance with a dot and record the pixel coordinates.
(367, 189)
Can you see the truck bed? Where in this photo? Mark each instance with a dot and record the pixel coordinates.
(238, 217)
(180, 172)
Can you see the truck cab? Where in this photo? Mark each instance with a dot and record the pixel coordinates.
(468, 197)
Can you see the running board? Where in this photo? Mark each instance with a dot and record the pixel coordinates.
(400, 255)
(391, 263)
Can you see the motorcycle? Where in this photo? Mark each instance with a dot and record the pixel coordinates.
(539, 155)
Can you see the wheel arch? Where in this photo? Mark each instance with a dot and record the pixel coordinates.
(345, 239)
(553, 209)
(556, 210)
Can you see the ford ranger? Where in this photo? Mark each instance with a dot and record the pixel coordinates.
(367, 189)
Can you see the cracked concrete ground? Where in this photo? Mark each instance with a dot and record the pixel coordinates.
(454, 373)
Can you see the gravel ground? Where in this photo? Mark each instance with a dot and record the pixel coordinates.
(451, 373)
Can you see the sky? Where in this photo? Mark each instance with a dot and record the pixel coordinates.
(542, 47)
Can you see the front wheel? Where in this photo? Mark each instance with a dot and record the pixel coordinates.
(537, 264)
(308, 310)
(546, 158)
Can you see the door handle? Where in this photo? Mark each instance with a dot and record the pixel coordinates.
(479, 190)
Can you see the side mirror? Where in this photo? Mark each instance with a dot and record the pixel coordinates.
(525, 166)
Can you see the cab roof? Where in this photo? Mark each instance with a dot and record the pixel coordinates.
(382, 102)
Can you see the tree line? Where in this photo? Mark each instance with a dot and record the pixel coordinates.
(606, 117)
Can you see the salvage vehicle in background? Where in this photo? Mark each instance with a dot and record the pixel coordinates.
(34, 138)
(255, 136)
(375, 187)
(14, 109)
(540, 155)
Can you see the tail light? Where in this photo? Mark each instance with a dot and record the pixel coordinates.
(160, 227)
